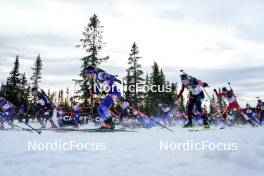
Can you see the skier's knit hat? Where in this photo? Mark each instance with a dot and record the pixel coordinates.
(34, 89)
(224, 89)
(184, 77)
(89, 70)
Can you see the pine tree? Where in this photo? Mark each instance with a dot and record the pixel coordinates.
(155, 96)
(2, 90)
(182, 104)
(127, 84)
(168, 96)
(60, 97)
(146, 96)
(49, 94)
(36, 76)
(93, 44)
(134, 76)
(24, 91)
(53, 97)
(12, 84)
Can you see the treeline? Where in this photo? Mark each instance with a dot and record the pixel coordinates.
(93, 44)
(17, 88)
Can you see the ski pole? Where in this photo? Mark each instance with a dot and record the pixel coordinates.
(207, 94)
(229, 85)
(146, 116)
(11, 124)
(39, 132)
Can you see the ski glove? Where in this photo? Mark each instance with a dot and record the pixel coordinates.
(125, 104)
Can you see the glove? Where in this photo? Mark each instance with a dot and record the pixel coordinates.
(205, 84)
(176, 97)
(125, 104)
(118, 81)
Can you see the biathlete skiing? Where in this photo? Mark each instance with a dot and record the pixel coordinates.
(105, 81)
(196, 97)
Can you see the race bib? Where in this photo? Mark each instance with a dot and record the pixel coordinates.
(42, 102)
(232, 99)
(76, 107)
(196, 90)
(6, 106)
(249, 111)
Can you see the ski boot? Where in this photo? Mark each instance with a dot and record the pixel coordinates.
(53, 126)
(206, 125)
(52, 123)
(1, 125)
(108, 124)
(188, 125)
(11, 125)
(252, 123)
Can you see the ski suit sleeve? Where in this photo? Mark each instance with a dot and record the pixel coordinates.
(181, 91)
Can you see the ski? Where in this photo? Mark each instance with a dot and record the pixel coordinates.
(84, 130)
(204, 129)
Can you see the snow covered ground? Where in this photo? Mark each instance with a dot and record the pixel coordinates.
(134, 153)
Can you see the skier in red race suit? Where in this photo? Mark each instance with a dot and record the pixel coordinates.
(233, 104)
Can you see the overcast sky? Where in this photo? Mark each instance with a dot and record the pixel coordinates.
(217, 41)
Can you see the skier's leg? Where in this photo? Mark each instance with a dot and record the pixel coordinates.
(105, 113)
(256, 119)
(1, 121)
(261, 118)
(76, 117)
(39, 115)
(190, 112)
(11, 119)
(245, 116)
(198, 104)
(50, 118)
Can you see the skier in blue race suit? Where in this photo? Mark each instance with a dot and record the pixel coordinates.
(260, 111)
(7, 112)
(105, 81)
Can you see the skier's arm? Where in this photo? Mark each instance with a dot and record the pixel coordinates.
(181, 91)
(203, 84)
